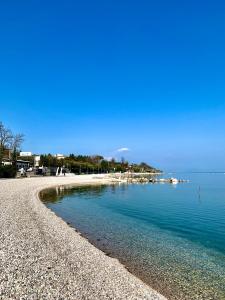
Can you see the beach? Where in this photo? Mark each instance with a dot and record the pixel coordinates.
(41, 257)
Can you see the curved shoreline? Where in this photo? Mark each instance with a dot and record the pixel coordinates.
(41, 257)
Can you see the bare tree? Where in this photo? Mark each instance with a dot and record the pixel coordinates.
(16, 141)
(15, 145)
(9, 140)
(5, 136)
(5, 139)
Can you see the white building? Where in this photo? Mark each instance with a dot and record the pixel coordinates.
(37, 159)
(59, 156)
(23, 154)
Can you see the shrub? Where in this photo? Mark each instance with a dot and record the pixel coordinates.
(7, 172)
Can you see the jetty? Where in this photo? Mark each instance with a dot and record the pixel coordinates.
(142, 178)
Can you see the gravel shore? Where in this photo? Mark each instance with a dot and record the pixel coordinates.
(41, 257)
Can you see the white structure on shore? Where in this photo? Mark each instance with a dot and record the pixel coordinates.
(37, 159)
(59, 156)
(23, 154)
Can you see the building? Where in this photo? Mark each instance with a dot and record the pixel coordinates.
(25, 154)
(6, 162)
(22, 164)
(37, 159)
(59, 156)
(7, 159)
(7, 154)
(19, 163)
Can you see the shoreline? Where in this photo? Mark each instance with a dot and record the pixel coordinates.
(42, 256)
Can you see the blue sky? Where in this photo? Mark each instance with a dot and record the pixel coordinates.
(95, 76)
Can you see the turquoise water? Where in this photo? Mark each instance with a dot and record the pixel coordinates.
(171, 236)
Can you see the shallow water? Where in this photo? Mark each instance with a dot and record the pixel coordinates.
(171, 236)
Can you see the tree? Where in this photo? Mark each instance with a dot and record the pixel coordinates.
(9, 140)
(16, 141)
(104, 165)
(5, 139)
(15, 144)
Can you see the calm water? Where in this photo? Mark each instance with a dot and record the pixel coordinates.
(171, 236)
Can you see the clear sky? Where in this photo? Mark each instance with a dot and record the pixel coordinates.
(94, 76)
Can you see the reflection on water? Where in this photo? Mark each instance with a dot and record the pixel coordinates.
(57, 193)
(173, 237)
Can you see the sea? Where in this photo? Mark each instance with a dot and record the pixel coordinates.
(172, 236)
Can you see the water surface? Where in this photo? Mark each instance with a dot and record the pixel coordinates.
(171, 236)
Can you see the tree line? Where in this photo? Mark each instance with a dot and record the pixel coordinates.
(85, 164)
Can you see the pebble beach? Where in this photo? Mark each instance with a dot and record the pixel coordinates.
(41, 257)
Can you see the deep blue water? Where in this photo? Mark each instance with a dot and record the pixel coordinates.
(171, 236)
